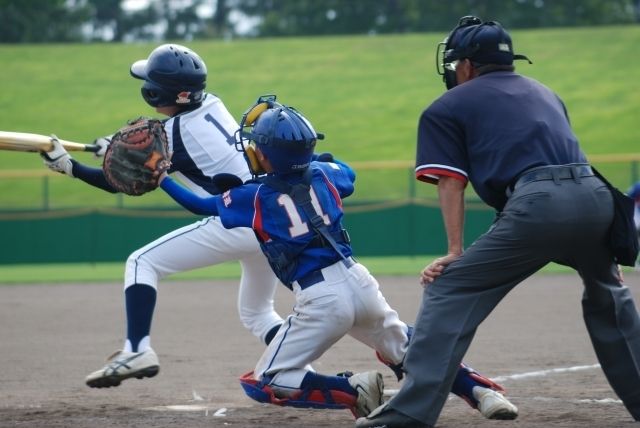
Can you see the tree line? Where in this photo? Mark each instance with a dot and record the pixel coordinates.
(41, 21)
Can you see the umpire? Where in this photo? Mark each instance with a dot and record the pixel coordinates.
(510, 137)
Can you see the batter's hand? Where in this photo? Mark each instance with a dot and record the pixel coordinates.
(435, 268)
(58, 159)
(102, 143)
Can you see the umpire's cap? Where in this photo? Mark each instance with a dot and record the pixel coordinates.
(481, 42)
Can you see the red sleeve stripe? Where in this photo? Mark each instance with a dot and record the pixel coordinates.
(431, 173)
(332, 188)
(257, 218)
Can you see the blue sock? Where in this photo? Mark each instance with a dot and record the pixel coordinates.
(313, 381)
(140, 301)
(463, 385)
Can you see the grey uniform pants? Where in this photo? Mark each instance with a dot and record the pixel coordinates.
(542, 222)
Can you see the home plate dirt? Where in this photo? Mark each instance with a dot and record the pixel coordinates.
(52, 336)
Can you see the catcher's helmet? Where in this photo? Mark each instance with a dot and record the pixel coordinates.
(284, 135)
(173, 75)
(481, 42)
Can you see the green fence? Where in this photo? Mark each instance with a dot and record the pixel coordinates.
(44, 216)
(58, 236)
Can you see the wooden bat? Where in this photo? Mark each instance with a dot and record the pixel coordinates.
(26, 142)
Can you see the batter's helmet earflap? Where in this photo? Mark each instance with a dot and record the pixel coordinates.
(481, 42)
(173, 75)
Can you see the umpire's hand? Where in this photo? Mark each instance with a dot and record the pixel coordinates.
(435, 268)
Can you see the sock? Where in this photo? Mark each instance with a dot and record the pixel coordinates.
(463, 386)
(140, 301)
(315, 381)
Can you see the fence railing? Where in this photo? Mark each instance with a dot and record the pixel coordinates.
(44, 190)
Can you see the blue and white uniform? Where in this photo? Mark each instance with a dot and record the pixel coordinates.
(333, 298)
(201, 141)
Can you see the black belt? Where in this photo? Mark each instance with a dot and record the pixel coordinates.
(316, 276)
(554, 172)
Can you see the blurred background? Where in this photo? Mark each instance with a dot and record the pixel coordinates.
(361, 70)
(154, 20)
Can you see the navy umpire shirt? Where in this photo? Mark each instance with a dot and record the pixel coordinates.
(492, 128)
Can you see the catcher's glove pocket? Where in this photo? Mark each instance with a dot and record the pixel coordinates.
(137, 157)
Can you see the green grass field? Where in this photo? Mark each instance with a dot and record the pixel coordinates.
(113, 272)
(364, 93)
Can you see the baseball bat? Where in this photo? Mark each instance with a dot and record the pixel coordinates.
(26, 142)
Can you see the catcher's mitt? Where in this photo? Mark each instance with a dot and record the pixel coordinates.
(137, 156)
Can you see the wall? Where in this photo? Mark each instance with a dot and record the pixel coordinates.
(83, 235)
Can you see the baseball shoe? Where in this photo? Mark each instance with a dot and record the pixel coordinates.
(494, 405)
(369, 386)
(124, 365)
(386, 417)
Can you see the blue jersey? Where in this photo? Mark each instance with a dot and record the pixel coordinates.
(491, 129)
(279, 224)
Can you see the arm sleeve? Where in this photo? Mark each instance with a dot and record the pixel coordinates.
(91, 176)
(440, 149)
(341, 175)
(189, 200)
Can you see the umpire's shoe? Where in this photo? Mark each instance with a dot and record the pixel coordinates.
(386, 417)
(370, 387)
(123, 365)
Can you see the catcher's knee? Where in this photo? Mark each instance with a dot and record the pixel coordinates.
(261, 391)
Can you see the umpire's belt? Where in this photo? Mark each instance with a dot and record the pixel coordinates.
(554, 172)
(316, 276)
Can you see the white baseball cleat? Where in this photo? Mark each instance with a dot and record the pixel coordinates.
(370, 387)
(494, 405)
(124, 365)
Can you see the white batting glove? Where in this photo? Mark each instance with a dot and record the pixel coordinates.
(58, 159)
(102, 143)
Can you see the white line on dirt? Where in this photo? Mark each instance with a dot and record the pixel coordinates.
(526, 375)
(221, 412)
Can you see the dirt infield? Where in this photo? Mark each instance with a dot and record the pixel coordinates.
(51, 336)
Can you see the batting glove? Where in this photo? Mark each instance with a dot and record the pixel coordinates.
(58, 159)
(102, 143)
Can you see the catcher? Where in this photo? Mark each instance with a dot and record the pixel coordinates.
(296, 212)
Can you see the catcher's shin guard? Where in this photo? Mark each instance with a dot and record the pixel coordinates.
(466, 379)
(262, 392)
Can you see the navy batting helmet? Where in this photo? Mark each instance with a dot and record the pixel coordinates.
(173, 75)
(284, 135)
(481, 42)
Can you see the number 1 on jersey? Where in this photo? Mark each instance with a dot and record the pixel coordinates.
(298, 226)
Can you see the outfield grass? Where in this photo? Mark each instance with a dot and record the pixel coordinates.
(364, 93)
(114, 272)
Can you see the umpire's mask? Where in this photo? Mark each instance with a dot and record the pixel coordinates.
(481, 42)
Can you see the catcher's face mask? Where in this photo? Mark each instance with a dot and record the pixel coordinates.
(243, 139)
(282, 134)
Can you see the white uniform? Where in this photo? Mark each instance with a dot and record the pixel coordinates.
(202, 144)
(347, 301)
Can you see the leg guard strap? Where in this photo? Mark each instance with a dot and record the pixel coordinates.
(398, 369)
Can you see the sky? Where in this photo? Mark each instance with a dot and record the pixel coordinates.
(205, 10)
